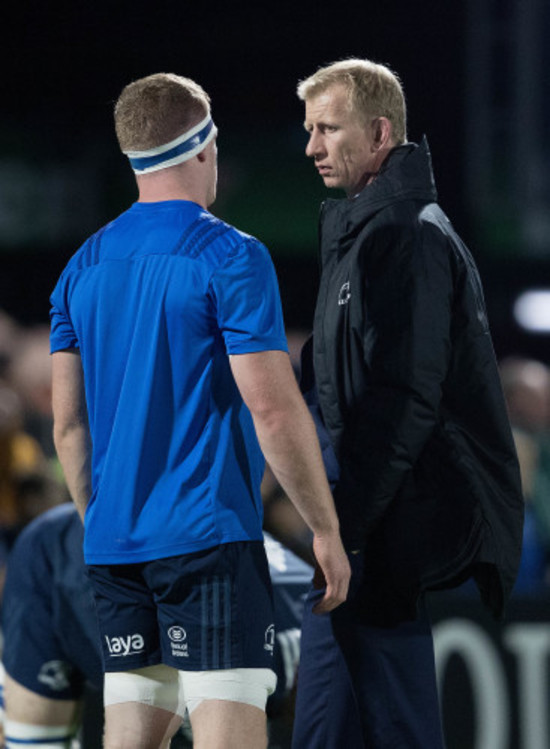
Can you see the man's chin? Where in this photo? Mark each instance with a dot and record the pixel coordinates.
(331, 182)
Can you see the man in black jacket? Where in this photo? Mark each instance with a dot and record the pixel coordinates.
(402, 377)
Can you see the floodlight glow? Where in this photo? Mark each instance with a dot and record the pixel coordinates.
(532, 310)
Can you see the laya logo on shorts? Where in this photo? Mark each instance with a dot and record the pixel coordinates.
(129, 645)
(269, 643)
(177, 635)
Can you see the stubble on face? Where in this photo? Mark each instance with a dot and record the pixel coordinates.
(340, 144)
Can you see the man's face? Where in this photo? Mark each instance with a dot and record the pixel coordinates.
(340, 145)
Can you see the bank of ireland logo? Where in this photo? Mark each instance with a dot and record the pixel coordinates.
(178, 636)
(55, 674)
(269, 637)
(344, 294)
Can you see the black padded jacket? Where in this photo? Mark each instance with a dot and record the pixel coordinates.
(410, 395)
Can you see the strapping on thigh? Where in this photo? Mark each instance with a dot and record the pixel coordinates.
(251, 686)
(157, 686)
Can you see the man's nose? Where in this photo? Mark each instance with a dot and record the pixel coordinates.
(314, 144)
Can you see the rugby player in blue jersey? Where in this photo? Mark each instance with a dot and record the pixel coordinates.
(169, 357)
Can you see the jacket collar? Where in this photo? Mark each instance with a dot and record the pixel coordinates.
(406, 174)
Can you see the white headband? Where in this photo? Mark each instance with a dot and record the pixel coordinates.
(181, 149)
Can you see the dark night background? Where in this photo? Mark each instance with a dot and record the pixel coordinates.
(61, 175)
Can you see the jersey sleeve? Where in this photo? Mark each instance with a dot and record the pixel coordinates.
(62, 334)
(247, 301)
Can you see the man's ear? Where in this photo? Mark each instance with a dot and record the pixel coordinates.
(201, 156)
(382, 133)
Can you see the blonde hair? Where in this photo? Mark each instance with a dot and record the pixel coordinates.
(373, 89)
(157, 109)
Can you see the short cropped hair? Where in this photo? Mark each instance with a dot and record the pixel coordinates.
(155, 110)
(373, 89)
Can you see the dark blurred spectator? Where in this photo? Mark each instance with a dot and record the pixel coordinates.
(27, 484)
(282, 520)
(8, 340)
(20, 454)
(526, 385)
(30, 375)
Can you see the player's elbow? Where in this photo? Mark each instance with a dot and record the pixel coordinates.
(66, 431)
(278, 417)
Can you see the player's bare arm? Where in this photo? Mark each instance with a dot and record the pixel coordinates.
(289, 442)
(71, 431)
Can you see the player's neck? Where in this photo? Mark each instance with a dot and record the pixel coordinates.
(170, 185)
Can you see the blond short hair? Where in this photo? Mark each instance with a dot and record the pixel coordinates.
(373, 89)
(157, 109)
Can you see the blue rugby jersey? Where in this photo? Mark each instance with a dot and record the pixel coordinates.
(156, 301)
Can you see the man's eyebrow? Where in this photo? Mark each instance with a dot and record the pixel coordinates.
(320, 124)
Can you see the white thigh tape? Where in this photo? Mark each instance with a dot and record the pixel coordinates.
(157, 686)
(252, 686)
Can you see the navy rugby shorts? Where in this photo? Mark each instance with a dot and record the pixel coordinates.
(212, 609)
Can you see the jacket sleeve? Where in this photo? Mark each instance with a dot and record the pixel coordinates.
(406, 298)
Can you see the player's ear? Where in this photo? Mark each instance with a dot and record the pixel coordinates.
(201, 156)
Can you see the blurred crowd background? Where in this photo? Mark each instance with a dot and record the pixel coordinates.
(475, 75)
